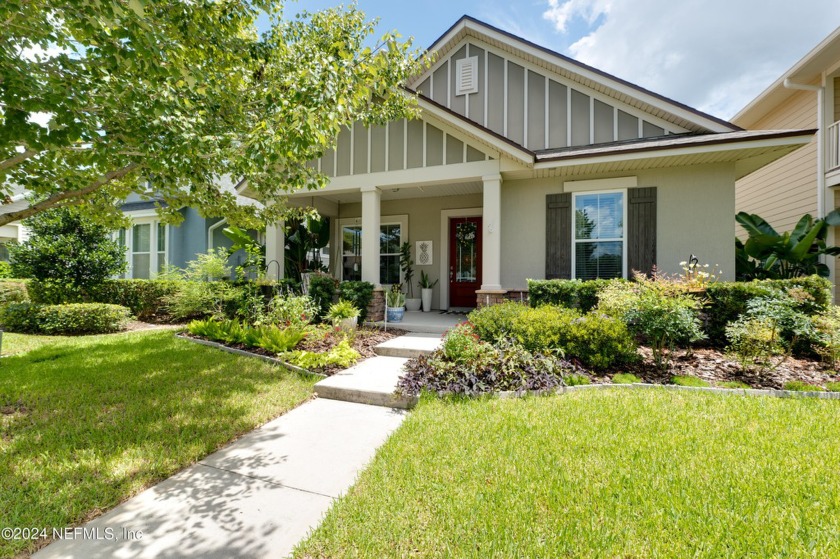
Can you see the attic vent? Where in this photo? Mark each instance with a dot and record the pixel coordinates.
(466, 72)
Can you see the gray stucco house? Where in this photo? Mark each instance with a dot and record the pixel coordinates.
(528, 164)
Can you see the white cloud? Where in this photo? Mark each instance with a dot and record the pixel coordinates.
(715, 55)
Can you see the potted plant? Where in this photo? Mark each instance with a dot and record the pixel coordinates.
(426, 287)
(407, 267)
(394, 303)
(344, 314)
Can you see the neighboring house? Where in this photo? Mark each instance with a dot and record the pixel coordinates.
(528, 164)
(151, 245)
(14, 232)
(805, 181)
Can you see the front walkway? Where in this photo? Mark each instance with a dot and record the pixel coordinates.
(261, 495)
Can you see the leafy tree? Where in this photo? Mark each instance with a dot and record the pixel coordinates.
(769, 255)
(166, 98)
(68, 251)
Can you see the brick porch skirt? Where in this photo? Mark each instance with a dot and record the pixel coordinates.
(487, 297)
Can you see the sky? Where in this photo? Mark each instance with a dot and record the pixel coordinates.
(714, 55)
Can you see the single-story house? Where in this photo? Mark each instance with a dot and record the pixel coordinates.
(805, 181)
(528, 164)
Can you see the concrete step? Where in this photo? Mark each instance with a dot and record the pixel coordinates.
(371, 382)
(408, 346)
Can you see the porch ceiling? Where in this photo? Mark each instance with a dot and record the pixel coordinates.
(401, 193)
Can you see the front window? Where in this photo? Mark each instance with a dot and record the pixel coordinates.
(390, 238)
(599, 236)
(145, 245)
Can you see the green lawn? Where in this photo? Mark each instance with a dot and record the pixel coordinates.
(88, 422)
(617, 473)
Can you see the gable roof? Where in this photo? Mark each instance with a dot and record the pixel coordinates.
(652, 103)
(808, 70)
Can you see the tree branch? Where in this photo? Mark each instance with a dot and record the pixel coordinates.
(17, 159)
(58, 199)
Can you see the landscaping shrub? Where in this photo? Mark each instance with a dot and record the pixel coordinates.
(293, 310)
(192, 299)
(625, 378)
(800, 386)
(278, 340)
(827, 345)
(598, 341)
(577, 380)
(322, 290)
(462, 345)
(689, 381)
(13, 292)
(5, 270)
(833, 386)
(341, 355)
(573, 294)
(146, 298)
(360, 293)
(67, 319)
(727, 301)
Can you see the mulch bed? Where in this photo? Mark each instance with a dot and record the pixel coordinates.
(716, 367)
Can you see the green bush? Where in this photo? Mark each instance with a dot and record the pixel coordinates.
(145, 298)
(598, 341)
(833, 386)
(689, 381)
(576, 380)
(322, 290)
(67, 319)
(360, 293)
(5, 270)
(727, 301)
(269, 337)
(193, 299)
(462, 345)
(625, 378)
(13, 292)
(573, 294)
(341, 355)
(800, 386)
(291, 310)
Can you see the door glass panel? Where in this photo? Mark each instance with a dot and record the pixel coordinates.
(465, 252)
(351, 252)
(142, 238)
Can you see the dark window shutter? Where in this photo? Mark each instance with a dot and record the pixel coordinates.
(641, 229)
(558, 236)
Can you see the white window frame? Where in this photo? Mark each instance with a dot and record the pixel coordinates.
(623, 239)
(401, 220)
(153, 222)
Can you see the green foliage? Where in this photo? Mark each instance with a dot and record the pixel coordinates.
(269, 337)
(291, 310)
(322, 290)
(832, 386)
(801, 386)
(145, 298)
(342, 310)
(681, 380)
(184, 93)
(771, 328)
(727, 301)
(577, 380)
(341, 355)
(194, 299)
(598, 341)
(67, 319)
(360, 293)
(395, 298)
(5, 270)
(462, 345)
(734, 384)
(768, 254)
(305, 238)
(407, 267)
(13, 292)
(68, 251)
(279, 340)
(425, 282)
(625, 378)
(254, 264)
(658, 312)
(827, 344)
(573, 294)
(209, 266)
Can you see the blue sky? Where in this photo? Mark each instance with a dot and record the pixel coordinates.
(715, 55)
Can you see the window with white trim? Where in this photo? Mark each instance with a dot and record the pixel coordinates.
(391, 235)
(599, 241)
(146, 245)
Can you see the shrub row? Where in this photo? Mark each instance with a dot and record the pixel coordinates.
(13, 291)
(67, 319)
(598, 341)
(145, 298)
(573, 294)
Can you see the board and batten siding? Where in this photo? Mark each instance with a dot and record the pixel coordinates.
(786, 189)
(532, 107)
(401, 144)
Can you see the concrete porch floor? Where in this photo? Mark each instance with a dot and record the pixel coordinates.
(435, 322)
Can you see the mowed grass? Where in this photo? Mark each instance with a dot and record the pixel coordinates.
(614, 473)
(88, 422)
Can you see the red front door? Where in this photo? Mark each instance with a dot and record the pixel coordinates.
(464, 260)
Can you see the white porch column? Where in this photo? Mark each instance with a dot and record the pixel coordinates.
(371, 197)
(491, 252)
(275, 251)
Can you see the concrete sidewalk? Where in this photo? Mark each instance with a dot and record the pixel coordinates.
(257, 497)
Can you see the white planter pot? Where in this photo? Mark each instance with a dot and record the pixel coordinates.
(412, 304)
(426, 296)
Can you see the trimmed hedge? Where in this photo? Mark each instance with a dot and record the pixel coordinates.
(572, 294)
(726, 301)
(13, 291)
(68, 319)
(360, 293)
(145, 298)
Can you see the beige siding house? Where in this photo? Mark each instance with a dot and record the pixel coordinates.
(528, 164)
(807, 96)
